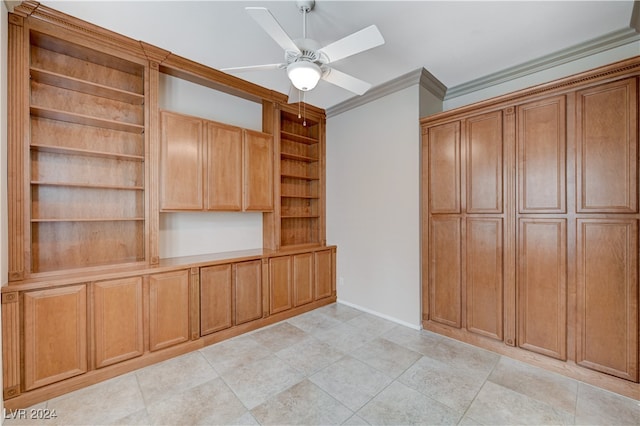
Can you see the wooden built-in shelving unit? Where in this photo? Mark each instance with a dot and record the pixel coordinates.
(87, 155)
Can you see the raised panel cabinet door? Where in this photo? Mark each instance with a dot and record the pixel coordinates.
(117, 320)
(302, 278)
(224, 167)
(542, 145)
(542, 286)
(55, 335)
(258, 171)
(281, 284)
(484, 276)
(215, 298)
(444, 168)
(607, 296)
(248, 291)
(181, 162)
(324, 274)
(483, 143)
(168, 309)
(445, 273)
(607, 148)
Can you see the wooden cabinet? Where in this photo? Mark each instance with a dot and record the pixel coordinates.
(303, 274)
(466, 224)
(216, 298)
(281, 284)
(292, 280)
(206, 165)
(248, 291)
(117, 320)
(181, 176)
(169, 309)
(55, 335)
(324, 271)
(531, 216)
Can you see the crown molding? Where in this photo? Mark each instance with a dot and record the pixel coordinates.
(420, 76)
(582, 50)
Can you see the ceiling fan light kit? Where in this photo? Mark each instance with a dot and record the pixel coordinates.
(304, 75)
(305, 61)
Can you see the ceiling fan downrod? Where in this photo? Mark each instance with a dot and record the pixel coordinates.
(305, 7)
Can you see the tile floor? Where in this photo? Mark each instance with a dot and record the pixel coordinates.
(337, 365)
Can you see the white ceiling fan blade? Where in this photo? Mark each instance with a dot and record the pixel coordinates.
(346, 81)
(357, 42)
(255, 68)
(268, 23)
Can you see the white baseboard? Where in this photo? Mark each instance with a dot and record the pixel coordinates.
(378, 314)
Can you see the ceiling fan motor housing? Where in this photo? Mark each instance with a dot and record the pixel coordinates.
(305, 6)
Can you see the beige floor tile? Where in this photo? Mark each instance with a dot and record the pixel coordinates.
(355, 420)
(351, 381)
(556, 390)
(310, 356)
(208, 403)
(102, 403)
(314, 322)
(419, 341)
(344, 337)
(387, 357)
(280, 336)
(246, 419)
(400, 405)
(234, 353)
(258, 381)
(599, 407)
(339, 311)
(496, 404)
(162, 380)
(371, 325)
(303, 404)
(454, 387)
(139, 418)
(461, 356)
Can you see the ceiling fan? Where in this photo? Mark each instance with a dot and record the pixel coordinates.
(305, 60)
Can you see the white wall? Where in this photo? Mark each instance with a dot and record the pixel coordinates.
(373, 211)
(184, 234)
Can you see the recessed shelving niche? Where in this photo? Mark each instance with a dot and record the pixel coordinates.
(87, 157)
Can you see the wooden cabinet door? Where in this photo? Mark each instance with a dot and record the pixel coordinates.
(302, 278)
(607, 296)
(215, 298)
(258, 171)
(55, 335)
(248, 291)
(444, 168)
(542, 286)
(181, 162)
(607, 148)
(445, 273)
(224, 167)
(484, 285)
(280, 281)
(117, 320)
(168, 309)
(324, 274)
(542, 156)
(483, 183)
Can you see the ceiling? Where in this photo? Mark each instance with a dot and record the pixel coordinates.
(456, 41)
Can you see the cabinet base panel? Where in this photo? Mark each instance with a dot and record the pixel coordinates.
(44, 393)
(566, 368)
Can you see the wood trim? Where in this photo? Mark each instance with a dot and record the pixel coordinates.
(607, 73)
(152, 164)
(10, 345)
(194, 303)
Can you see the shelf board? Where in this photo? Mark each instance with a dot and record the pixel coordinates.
(298, 138)
(86, 120)
(83, 86)
(299, 216)
(87, 185)
(306, 197)
(290, 175)
(98, 219)
(87, 152)
(298, 157)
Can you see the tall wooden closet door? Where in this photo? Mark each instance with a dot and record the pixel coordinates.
(607, 228)
(542, 227)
